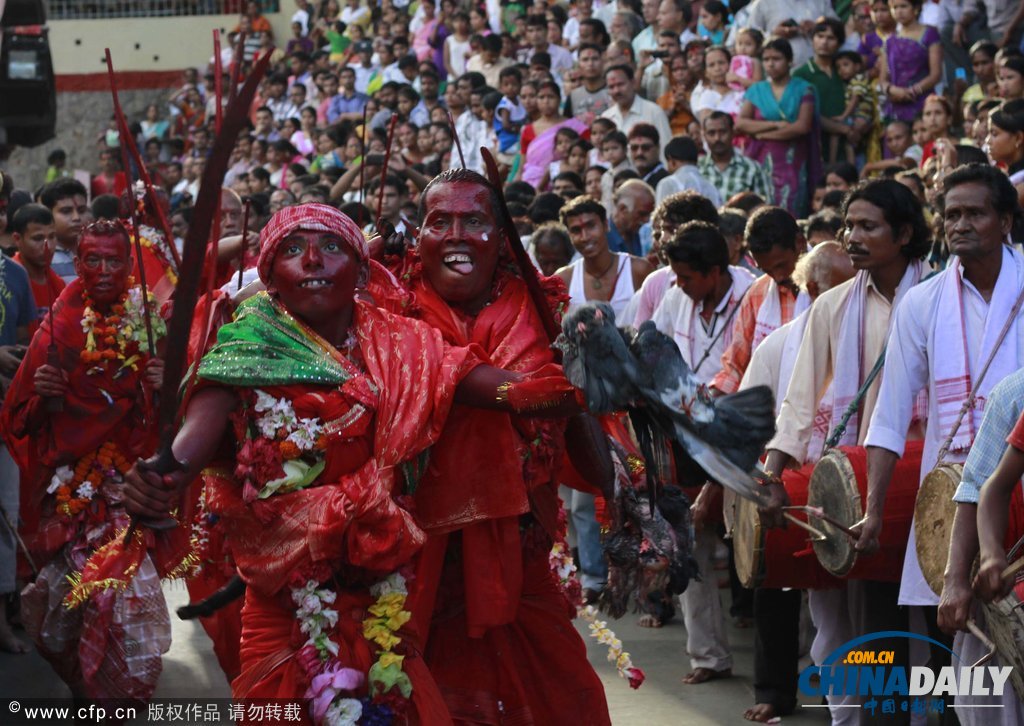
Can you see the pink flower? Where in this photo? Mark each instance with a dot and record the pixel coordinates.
(326, 686)
(308, 659)
(636, 677)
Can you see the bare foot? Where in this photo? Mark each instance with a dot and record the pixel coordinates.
(703, 675)
(648, 621)
(8, 642)
(760, 712)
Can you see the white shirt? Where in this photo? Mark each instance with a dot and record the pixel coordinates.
(916, 339)
(642, 111)
(301, 17)
(700, 343)
(687, 177)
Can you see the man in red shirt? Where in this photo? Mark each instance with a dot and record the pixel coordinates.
(35, 234)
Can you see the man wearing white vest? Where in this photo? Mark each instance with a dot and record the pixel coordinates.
(943, 334)
(845, 333)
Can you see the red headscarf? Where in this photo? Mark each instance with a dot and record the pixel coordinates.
(311, 217)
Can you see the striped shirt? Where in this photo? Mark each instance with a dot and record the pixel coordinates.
(1004, 406)
(741, 175)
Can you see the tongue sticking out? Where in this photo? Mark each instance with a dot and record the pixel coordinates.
(463, 268)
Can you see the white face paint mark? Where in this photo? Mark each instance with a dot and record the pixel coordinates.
(485, 237)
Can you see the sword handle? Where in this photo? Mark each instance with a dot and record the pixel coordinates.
(165, 463)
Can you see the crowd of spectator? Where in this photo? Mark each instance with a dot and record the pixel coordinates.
(786, 99)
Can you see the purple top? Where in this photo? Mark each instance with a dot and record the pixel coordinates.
(867, 48)
(908, 64)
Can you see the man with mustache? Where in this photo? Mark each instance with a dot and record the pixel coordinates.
(844, 333)
(943, 334)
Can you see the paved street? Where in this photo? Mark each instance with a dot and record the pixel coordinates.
(190, 671)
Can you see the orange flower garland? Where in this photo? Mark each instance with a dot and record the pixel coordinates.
(119, 334)
(74, 488)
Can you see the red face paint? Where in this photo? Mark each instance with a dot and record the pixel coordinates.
(314, 275)
(104, 265)
(460, 244)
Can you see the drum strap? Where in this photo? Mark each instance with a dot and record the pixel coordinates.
(840, 428)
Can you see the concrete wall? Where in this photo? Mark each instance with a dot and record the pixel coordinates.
(81, 117)
(147, 48)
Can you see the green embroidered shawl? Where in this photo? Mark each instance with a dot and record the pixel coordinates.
(265, 346)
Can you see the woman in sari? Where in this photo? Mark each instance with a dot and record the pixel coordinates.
(310, 385)
(538, 138)
(779, 116)
(913, 62)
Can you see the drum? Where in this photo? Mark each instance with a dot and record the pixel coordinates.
(1004, 620)
(774, 558)
(839, 486)
(933, 521)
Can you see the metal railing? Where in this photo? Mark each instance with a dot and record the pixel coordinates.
(97, 9)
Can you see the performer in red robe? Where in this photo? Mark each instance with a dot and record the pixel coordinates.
(502, 646)
(72, 459)
(314, 387)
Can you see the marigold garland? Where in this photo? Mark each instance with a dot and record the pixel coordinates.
(118, 335)
(74, 489)
(332, 686)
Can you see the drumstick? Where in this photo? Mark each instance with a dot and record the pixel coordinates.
(804, 525)
(1011, 571)
(980, 635)
(819, 513)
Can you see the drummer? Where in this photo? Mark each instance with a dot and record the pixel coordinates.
(983, 499)
(886, 237)
(942, 335)
(776, 611)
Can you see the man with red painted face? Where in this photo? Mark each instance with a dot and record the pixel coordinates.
(501, 644)
(327, 401)
(72, 462)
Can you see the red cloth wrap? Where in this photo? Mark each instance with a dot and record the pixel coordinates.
(351, 526)
(272, 637)
(88, 419)
(467, 486)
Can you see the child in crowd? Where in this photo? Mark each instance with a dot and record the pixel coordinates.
(56, 160)
(744, 68)
(327, 153)
(713, 19)
(565, 137)
(983, 63)
(613, 148)
(592, 181)
(510, 114)
(919, 132)
(598, 129)
(489, 113)
(576, 161)
(298, 42)
(860, 107)
(901, 151)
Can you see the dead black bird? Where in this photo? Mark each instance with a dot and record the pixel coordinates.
(641, 371)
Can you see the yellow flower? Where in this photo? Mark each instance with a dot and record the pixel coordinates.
(387, 659)
(396, 621)
(388, 605)
(376, 631)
